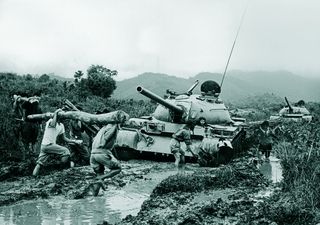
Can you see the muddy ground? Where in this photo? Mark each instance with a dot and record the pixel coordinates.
(17, 183)
(229, 194)
(236, 193)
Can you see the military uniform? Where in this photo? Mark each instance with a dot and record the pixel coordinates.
(101, 155)
(79, 152)
(265, 141)
(182, 135)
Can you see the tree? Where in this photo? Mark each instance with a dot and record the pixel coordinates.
(28, 77)
(78, 75)
(44, 78)
(100, 81)
(102, 70)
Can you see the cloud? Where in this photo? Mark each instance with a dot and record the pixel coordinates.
(180, 37)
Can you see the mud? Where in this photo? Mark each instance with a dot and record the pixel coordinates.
(119, 200)
(225, 195)
(237, 193)
(18, 184)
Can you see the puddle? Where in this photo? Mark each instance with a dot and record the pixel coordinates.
(272, 169)
(112, 206)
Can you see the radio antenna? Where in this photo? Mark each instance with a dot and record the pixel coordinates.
(234, 43)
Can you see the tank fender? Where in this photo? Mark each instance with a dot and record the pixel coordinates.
(127, 138)
(130, 138)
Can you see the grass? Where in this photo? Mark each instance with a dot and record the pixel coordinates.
(236, 174)
(299, 151)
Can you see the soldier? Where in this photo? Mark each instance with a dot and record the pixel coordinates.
(214, 151)
(101, 155)
(79, 151)
(182, 135)
(208, 149)
(27, 130)
(53, 129)
(225, 151)
(265, 138)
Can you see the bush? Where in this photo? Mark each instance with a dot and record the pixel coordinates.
(236, 174)
(300, 156)
(52, 93)
(9, 145)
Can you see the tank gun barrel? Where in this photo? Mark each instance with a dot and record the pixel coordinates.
(289, 106)
(159, 100)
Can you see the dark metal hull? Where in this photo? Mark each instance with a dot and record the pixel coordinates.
(159, 150)
(126, 154)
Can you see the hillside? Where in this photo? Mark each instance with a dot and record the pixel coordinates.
(57, 77)
(237, 85)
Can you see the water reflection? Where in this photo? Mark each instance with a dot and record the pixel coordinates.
(58, 211)
(112, 206)
(272, 169)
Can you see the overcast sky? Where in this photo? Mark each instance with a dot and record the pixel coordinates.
(177, 37)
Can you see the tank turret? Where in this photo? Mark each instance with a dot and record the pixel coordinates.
(298, 112)
(206, 108)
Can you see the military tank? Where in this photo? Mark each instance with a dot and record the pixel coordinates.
(298, 112)
(148, 137)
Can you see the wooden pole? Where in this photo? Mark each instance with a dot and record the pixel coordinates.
(92, 128)
(102, 119)
(25, 99)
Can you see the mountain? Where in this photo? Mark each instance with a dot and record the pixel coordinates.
(237, 85)
(57, 77)
(157, 83)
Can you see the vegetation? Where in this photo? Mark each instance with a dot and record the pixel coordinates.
(299, 152)
(257, 107)
(91, 93)
(99, 82)
(298, 148)
(236, 174)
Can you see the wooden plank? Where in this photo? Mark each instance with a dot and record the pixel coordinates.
(92, 128)
(102, 119)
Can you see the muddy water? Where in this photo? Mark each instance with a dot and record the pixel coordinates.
(113, 205)
(271, 169)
